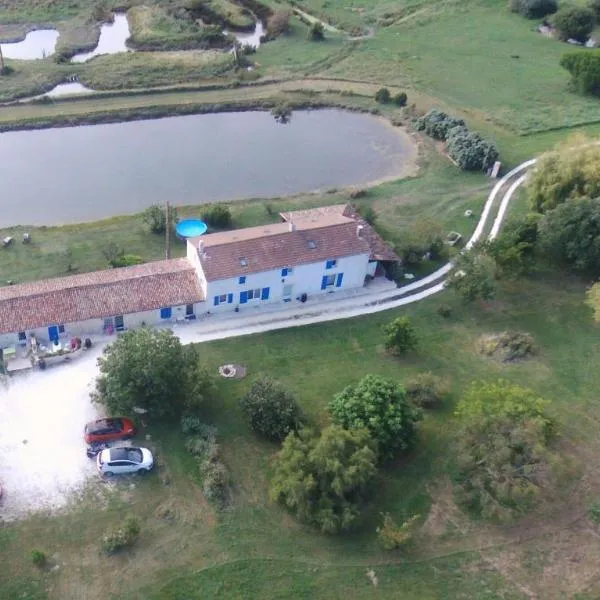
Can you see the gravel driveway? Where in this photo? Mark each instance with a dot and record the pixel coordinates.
(42, 452)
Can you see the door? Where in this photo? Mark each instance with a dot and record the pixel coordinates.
(287, 292)
(119, 323)
(53, 333)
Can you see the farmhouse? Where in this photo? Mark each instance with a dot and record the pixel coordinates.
(309, 252)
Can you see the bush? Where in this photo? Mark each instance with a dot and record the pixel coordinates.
(324, 480)
(316, 33)
(503, 456)
(192, 425)
(270, 409)
(383, 96)
(400, 99)
(534, 9)
(39, 558)
(123, 537)
(215, 482)
(509, 346)
(278, 23)
(594, 513)
(426, 390)
(469, 150)
(156, 219)
(369, 214)
(400, 336)
(6, 70)
(127, 260)
(473, 275)
(584, 67)
(393, 536)
(437, 124)
(574, 22)
(595, 6)
(381, 407)
(218, 216)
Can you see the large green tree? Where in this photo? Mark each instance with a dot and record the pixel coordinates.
(474, 273)
(324, 479)
(381, 406)
(570, 171)
(503, 458)
(571, 234)
(151, 370)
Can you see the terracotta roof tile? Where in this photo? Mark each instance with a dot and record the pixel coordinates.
(287, 249)
(97, 295)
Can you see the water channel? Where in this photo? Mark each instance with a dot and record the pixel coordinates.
(78, 174)
(37, 44)
(112, 39)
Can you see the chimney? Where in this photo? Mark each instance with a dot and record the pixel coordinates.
(201, 246)
(291, 226)
(359, 230)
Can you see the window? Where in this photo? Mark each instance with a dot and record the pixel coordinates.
(223, 299)
(254, 294)
(312, 244)
(242, 279)
(244, 262)
(189, 310)
(119, 323)
(286, 271)
(330, 264)
(61, 329)
(22, 336)
(329, 280)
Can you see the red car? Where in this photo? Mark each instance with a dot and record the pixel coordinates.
(107, 430)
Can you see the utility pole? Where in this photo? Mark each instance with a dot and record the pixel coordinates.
(1, 59)
(167, 231)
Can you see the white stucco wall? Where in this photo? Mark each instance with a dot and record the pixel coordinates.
(192, 256)
(305, 279)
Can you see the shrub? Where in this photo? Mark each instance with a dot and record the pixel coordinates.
(509, 345)
(278, 23)
(595, 6)
(6, 70)
(393, 536)
(368, 213)
(324, 480)
(469, 150)
(218, 216)
(503, 456)
(473, 275)
(594, 513)
(282, 111)
(215, 481)
(191, 424)
(437, 124)
(584, 67)
(123, 537)
(381, 407)
(400, 99)
(574, 22)
(533, 9)
(270, 409)
(400, 336)
(127, 260)
(39, 558)
(316, 33)
(156, 219)
(426, 390)
(383, 96)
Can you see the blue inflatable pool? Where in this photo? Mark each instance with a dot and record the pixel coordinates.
(191, 228)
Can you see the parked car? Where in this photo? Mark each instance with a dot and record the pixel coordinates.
(108, 430)
(128, 459)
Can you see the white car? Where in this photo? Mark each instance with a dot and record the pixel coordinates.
(124, 459)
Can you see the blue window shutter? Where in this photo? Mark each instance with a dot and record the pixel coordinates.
(165, 313)
(216, 301)
(229, 298)
(338, 283)
(242, 279)
(324, 282)
(265, 294)
(284, 272)
(243, 297)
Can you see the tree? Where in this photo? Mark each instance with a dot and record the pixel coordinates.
(325, 479)
(574, 22)
(150, 369)
(437, 124)
(473, 274)
(514, 249)
(571, 234)
(533, 9)
(584, 67)
(469, 150)
(592, 299)
(400, 99)
(316, 33)
(278, 23)
(382, 95)
(218, 216)
(400, 336)
(381, 407)
(503, 454)
(156, 219)
(595, 6)
(570, 171)
(270, 409)
(113, 254)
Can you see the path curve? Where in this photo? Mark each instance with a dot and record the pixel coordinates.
(505, 189)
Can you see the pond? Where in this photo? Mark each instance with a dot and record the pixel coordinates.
(37, 44)
(84, 173)
(112, 39)
(250, 39)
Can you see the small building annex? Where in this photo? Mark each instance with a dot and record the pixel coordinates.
(309, 252)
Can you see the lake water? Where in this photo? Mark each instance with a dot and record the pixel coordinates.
(78, 174)
(112, 39)
(37, 44)
(250, 39)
